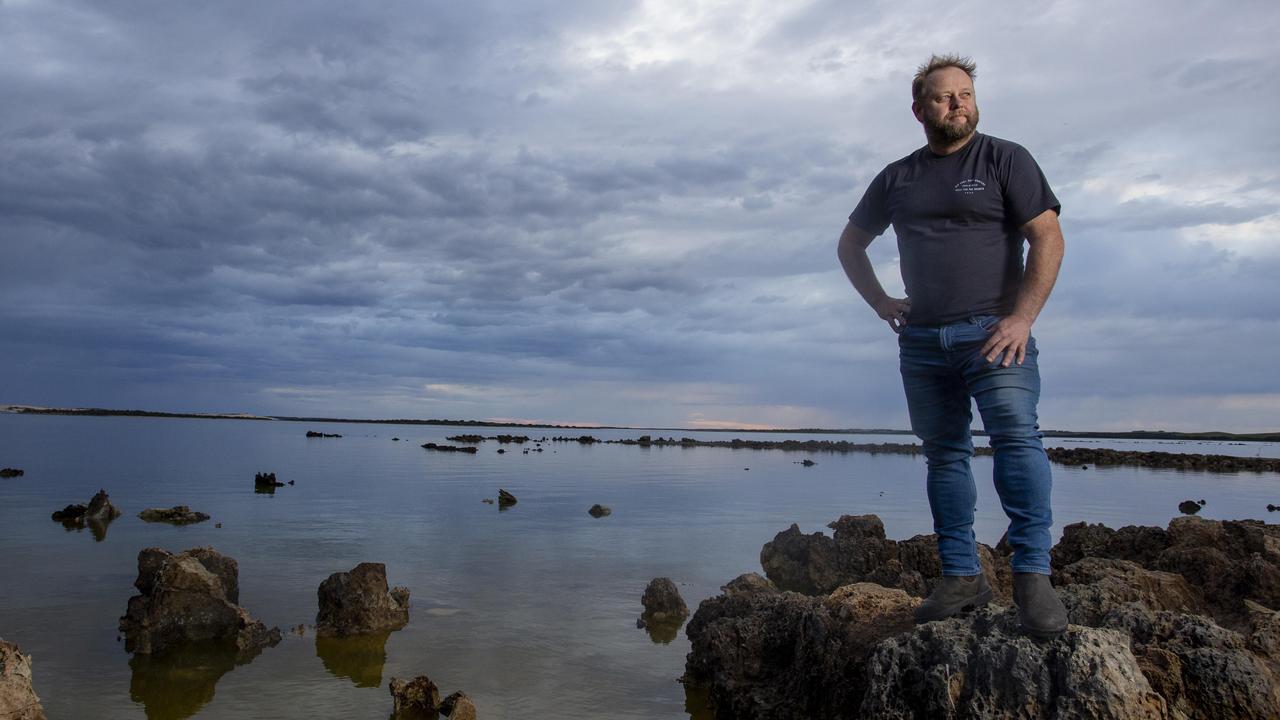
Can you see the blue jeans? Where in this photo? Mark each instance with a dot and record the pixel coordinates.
(941, 369)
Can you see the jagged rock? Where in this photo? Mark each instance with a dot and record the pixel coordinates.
(178, 515)
(859, 552)
(1264, 630)
(1189, 507)
(506, 498)
(266, 480)
(358, 602)
(599, 511)
(18, 699)
(418, 697)
(11, 472)
(100, 507)
(458, 707)
(983, 666)
(1228, 561)
(662, 601)
(1092, 587)
(190, 597)
(70, 513)
(1201, 669)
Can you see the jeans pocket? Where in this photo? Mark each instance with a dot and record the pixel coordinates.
(986, 322)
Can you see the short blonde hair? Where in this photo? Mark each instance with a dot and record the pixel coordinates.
(937, 62)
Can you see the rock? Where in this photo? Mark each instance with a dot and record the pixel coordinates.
(266, 480)
(662, 601)
(982, 665)
(1096, 586)
(187, 598)
(808, 463)
(859, 552)
(177, 515)
(358, 602)
(18, 700)
(749, 584)
(506, 498)
(418, 697)
(1189, 507)
(314, 434)
(501, 451)
(100, 507)
(450, 448)
(1272, 508)
(395, 439)
(11, 472)
(458, 707)
(70, 513)
(599, 511)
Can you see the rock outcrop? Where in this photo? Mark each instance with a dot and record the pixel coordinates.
(266, 480)
(1171, 623)
(358, 602)
(176, 515)
(662, 601)
(506, 499)
(859, 552)
(97, 515)
(18, 699)
(190, 597)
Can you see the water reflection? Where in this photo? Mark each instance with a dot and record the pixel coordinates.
(663, 632)
(179, 683)
(697, 702)
(358, 658)
(97, 526)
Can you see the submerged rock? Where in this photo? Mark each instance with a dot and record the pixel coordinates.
(177, 515)
(18, 700)
(450, 448)
(599, 511)
(187, 598)
(11, 472)
(314, 434)
(358, 602)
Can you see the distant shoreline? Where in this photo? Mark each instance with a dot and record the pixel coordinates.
(1126, 435)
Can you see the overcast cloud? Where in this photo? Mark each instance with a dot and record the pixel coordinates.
(609, 212)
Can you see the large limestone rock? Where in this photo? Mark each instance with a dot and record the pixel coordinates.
(859, 552)
(18, 700)
(190, 597)
(358, 602)
(982, 666)
(662, 601)
(1176, 623)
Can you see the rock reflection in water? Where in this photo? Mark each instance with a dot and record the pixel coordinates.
(97, 526)
(697, 702)
(663, 632)
(357, 657)
(178, 684)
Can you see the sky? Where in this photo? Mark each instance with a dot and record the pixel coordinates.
(610, 212)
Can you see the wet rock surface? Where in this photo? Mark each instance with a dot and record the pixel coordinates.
(1176, 622)
(358, 602)
(18, 700)
(176, 515)
(190, 598)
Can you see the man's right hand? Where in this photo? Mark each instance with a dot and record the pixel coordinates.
(893, 311)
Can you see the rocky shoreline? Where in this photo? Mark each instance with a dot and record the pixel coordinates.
(1175, 622)
(1080, 457)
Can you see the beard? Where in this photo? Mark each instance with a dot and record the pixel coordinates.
(945, 131)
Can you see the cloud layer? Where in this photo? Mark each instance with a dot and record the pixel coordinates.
(621, 213)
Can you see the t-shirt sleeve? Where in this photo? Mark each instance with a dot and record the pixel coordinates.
(1026, 191)
(872, 212)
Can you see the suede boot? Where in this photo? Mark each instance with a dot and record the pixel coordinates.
(953, 594)
(1039, 609)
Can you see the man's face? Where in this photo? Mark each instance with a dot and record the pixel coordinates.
(947, 108)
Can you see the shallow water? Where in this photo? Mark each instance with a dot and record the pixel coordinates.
(531, 611)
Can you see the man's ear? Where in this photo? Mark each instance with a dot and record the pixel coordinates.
(915, 110)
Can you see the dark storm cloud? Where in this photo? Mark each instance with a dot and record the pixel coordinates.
(531, 208)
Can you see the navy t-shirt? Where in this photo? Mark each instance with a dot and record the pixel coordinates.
(957, 218)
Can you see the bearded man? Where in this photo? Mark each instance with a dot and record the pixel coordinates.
(961, 207)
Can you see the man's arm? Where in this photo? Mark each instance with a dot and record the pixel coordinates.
(852, 251)
(1044, 257)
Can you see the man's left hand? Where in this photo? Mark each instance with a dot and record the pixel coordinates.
(1008, 337)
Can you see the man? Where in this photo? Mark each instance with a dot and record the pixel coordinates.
(961, 208)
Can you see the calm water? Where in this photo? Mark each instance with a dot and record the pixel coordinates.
(530, 611)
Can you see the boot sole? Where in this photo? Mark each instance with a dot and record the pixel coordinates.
(981, 600)
(1043, 634)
